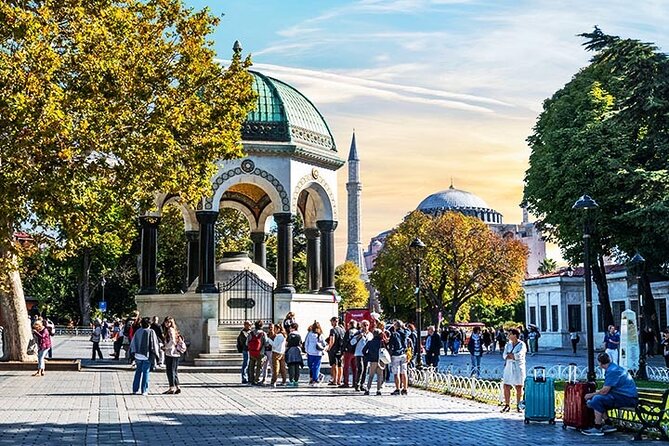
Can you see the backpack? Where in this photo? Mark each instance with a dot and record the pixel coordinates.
(348, 348)
(338, 343)
(255, 343)
(241, 341)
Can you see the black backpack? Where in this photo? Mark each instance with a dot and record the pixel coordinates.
(348, 348)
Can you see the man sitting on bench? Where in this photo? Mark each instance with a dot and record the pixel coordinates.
(619, 391)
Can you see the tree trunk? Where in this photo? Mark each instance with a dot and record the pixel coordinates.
(15, 318)
(599, 277)
(85, 287)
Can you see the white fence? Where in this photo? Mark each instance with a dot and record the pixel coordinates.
(558, 372)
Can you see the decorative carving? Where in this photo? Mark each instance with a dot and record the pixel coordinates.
(265, 131)
(225, 176)
(314, 173)
(308, 179)
(248, 166)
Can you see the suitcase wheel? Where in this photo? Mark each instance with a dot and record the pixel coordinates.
(527, 421)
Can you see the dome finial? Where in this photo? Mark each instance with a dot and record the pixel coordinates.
(451, 187)
(237, 47)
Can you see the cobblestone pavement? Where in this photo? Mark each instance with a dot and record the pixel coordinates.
(96, 406)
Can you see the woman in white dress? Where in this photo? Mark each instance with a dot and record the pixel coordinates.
(514, 368)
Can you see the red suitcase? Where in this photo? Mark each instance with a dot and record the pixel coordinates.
(576, 414)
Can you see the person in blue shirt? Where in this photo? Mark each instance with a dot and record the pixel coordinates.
(619, 390)
(611, 343)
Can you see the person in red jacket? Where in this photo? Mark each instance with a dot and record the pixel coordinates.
(43, 339)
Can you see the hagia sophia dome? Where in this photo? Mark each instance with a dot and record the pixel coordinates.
(457, 200)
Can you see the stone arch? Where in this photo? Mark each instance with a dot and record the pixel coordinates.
(321, 204)
(248, 173)
(187, 211)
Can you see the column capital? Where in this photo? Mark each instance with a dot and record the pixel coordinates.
(259, 237)
(327, 225)
(204, 217)
(284, 218)
(148, 221)
(312, 233)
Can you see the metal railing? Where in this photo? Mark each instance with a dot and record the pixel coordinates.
(558, 372)
(72, 331)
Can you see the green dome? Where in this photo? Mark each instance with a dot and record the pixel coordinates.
(283, 114)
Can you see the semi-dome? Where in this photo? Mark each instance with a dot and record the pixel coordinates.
(285, 116)
(235, 262)
(457, 200)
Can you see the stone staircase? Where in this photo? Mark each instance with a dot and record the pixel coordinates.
(227, 360)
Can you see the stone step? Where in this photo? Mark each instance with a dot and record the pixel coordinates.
(214, 362)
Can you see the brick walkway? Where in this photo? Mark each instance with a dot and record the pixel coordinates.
(96, 406)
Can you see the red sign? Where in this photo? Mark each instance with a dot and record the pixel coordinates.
(357, 314)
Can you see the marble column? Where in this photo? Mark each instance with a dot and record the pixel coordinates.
(313, 259)
(207, 251)
(284, 261)
(193, 240)
(149, 233)
(259, 248)
(327, 228)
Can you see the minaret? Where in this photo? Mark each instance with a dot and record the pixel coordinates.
(354, 252)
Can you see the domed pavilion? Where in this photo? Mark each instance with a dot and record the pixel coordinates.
(290, 168)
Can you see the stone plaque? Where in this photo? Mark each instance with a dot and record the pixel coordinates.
(629, 341)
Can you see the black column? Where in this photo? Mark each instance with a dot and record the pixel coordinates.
(193, 239)
(259, 248)
(284, 261)
(149, 233)
(313, 259)
(327, 228)
(207, 220)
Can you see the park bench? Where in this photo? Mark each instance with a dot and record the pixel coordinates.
(651, 415)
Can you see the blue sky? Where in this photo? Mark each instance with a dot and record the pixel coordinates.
(434, 88)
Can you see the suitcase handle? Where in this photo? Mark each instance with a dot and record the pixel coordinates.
(539, 374)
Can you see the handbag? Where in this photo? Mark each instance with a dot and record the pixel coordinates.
(384, 356)
(181, 346)
(92, 338)
(32, 347)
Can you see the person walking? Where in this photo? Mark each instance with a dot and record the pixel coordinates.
(359, 341)
(533, 340)
(242, 347)
(279, 355)
(267, 360)
(335, 351)
(43, 340)
(433, 347)
(294, 355)
(575, 338)
(349, 353)
(155, 326)
(611, 343)
(371, 352)
(475, 347)
(256, 347)
(172, 339)
(315, 346)
(118, 339)
(501, 338)
(412, 349)
(144, 347)
(397, 347)
(514, 368)
(665, 347)
(96, 336)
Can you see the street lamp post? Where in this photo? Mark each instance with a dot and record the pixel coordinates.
(637, 263)
(586, 203)
(417, 247)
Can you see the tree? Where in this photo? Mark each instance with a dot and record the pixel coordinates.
(463, 260)
(103, 103)
(350, 286)
(547, 266)
(604, 134)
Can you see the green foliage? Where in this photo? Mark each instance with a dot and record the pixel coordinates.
(547, 266)
(232, 233)
(101, 105)
(172, 261)
(604, 133)
(463, 260)
(350, 287)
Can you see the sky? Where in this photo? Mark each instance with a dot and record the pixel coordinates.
(435, 89)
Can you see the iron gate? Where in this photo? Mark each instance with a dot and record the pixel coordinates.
(245, 297)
